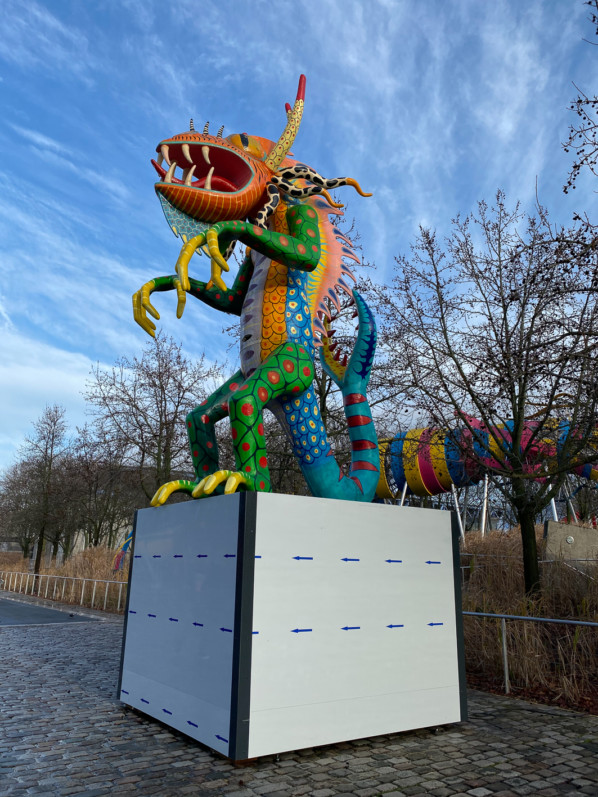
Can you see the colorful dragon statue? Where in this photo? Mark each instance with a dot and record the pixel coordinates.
(249, 189)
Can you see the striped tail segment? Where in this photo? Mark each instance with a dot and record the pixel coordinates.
(364, 443)
(352, 377)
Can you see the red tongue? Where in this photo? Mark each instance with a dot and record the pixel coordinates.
(218, 184)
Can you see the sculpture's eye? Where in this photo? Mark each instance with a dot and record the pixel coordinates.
(247, 144)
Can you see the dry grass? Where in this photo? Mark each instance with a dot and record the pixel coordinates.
(94, 563)
(555, 663)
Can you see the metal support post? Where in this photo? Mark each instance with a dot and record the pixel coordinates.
(484, 507)
(404, 493)
(555, 515)
(505, 660)
(459, 519)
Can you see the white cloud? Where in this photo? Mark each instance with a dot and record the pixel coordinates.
(39, 139)
(32, 36)
(34, 374)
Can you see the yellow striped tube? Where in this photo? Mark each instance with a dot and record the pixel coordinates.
(438, 459)
(383, 489)
(411, 449)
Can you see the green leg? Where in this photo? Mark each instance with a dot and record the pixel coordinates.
(200, 427)
(289, 371)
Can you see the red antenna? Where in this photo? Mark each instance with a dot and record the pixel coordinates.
(301, 89)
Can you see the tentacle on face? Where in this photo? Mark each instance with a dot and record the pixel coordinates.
(307, 173)
(268, 209)
(285, 187)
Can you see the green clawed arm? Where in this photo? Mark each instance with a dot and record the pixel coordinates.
(229, 300)
(299, 249)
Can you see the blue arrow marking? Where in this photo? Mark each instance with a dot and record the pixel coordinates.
(351, 628)
(394, 561)
(230, 630)
(137, 556)
(433, 563)
(346, 559)
(230, 555)
(124, 691)
(157, 556)
(132, 612)
(151, 615)
(178, 556)
(166, 711)
(302, 557)
(173, 619)
(255, 632)
(198, 624)
(143, 700)
(202, 556)
(258, 557)
(195, 725)
(222, 739)
(300, 630)
(435, 623)
(396, 626)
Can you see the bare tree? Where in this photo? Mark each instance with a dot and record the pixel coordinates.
(18, 507)
(105, 491)
(583, 134)
(498, 325)
(142, 403)
(39, 508)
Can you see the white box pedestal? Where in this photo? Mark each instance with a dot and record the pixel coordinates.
(258, 623)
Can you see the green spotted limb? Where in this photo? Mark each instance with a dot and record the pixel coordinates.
(299, 249)
(201, 427)
(287, 372)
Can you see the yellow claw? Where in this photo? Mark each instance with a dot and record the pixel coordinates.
(233, 482)
(181, 299)
(198, 491)
(140, 315)
(212, 239)
(145, 299)
(207, 486)
(216, 278)
(182, 264)
(163, 493)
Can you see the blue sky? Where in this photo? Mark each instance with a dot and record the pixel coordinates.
(432, 105)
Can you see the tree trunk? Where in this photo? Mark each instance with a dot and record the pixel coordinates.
(531, 570)
(39, 552)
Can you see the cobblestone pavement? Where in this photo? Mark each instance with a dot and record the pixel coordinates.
(64, 733)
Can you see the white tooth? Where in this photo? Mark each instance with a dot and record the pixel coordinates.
(208, 183)
(186, 152)
(164, 151)
(189, 175)
(170, 173)
(206, 155)
(160, 159)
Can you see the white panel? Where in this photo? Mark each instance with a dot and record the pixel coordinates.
(326, 666)
(178, 653)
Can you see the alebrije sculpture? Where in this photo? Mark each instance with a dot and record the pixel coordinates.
(249, 189)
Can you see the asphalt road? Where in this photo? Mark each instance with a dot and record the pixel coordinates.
(15, 613)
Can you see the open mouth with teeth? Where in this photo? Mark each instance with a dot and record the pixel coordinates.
(207, 167)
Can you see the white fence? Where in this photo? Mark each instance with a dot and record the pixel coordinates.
(93, 593)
